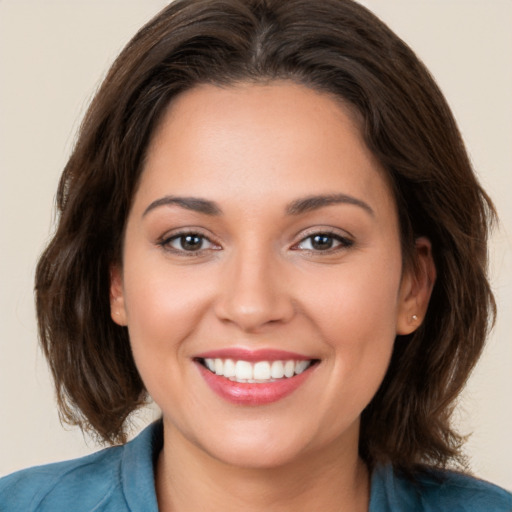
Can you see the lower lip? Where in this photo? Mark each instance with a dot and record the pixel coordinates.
(244, 393)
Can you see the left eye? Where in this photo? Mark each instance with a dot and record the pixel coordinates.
(323, 242)
(188, 242)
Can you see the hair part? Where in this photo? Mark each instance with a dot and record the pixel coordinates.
(337, 47)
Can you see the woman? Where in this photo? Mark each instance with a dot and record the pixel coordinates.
(263, 228)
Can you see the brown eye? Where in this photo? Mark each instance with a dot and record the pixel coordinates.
(322, 242)
(187, 242)
(190, 242)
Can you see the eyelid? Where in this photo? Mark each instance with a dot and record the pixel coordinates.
(346, 240)
(165, 240)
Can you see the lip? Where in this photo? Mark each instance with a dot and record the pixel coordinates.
(253, 394)
(243, 354)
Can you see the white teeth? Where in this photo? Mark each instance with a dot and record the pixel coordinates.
(210, 364)
(289, 368)
(277, 370)
(229, 368)
(243, 370)
(301, 366)
(261, 371)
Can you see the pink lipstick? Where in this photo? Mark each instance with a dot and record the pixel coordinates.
(249, 377)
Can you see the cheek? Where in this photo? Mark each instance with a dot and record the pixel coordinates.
(163, 309)
(355, 301)
(356, 316)
(157, 294)
(164, 305)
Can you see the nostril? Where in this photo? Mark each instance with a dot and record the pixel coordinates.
(252, 295)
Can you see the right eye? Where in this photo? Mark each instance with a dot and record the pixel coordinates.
(191, 243)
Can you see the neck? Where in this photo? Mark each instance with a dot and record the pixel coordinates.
(189, 479)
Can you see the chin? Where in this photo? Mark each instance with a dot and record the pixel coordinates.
(261, 444)
(254, 456)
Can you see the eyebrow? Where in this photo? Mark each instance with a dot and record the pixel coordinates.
(310, 203)
(189, 203)
(296, 207)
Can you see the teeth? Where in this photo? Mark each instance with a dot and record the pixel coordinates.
(229, 368)
(261, 371)
(210, 364)
(243, 370)
(289, 368)
(277, 370)
(301, 366)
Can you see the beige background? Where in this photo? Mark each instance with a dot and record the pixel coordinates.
(52, 56)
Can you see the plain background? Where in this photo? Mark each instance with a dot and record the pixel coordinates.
(52, 57)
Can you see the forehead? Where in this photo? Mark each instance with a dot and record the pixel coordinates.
(262, 143)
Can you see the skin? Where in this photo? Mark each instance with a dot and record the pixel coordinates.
(257, 282)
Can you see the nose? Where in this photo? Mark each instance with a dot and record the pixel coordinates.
(254, 293)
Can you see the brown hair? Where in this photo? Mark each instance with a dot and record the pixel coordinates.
(335, 46)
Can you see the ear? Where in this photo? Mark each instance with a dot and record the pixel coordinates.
(416, 288)
(117, 303)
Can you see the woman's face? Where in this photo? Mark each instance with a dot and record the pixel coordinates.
(263, 242)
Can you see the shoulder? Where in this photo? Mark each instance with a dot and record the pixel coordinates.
(79, 484)
(116, 479)
(456, 491)
(437, 491)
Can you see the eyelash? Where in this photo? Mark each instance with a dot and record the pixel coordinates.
(342, 243)
(166, 242)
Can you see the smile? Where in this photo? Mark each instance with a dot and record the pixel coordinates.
(258, 372)
(253, 378)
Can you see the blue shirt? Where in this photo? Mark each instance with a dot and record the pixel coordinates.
(121, 479)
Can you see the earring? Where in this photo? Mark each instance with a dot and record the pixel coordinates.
(414, 318)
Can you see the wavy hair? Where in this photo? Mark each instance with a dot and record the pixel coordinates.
(332, 46)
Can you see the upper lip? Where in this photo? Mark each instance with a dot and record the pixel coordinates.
(245, 354)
